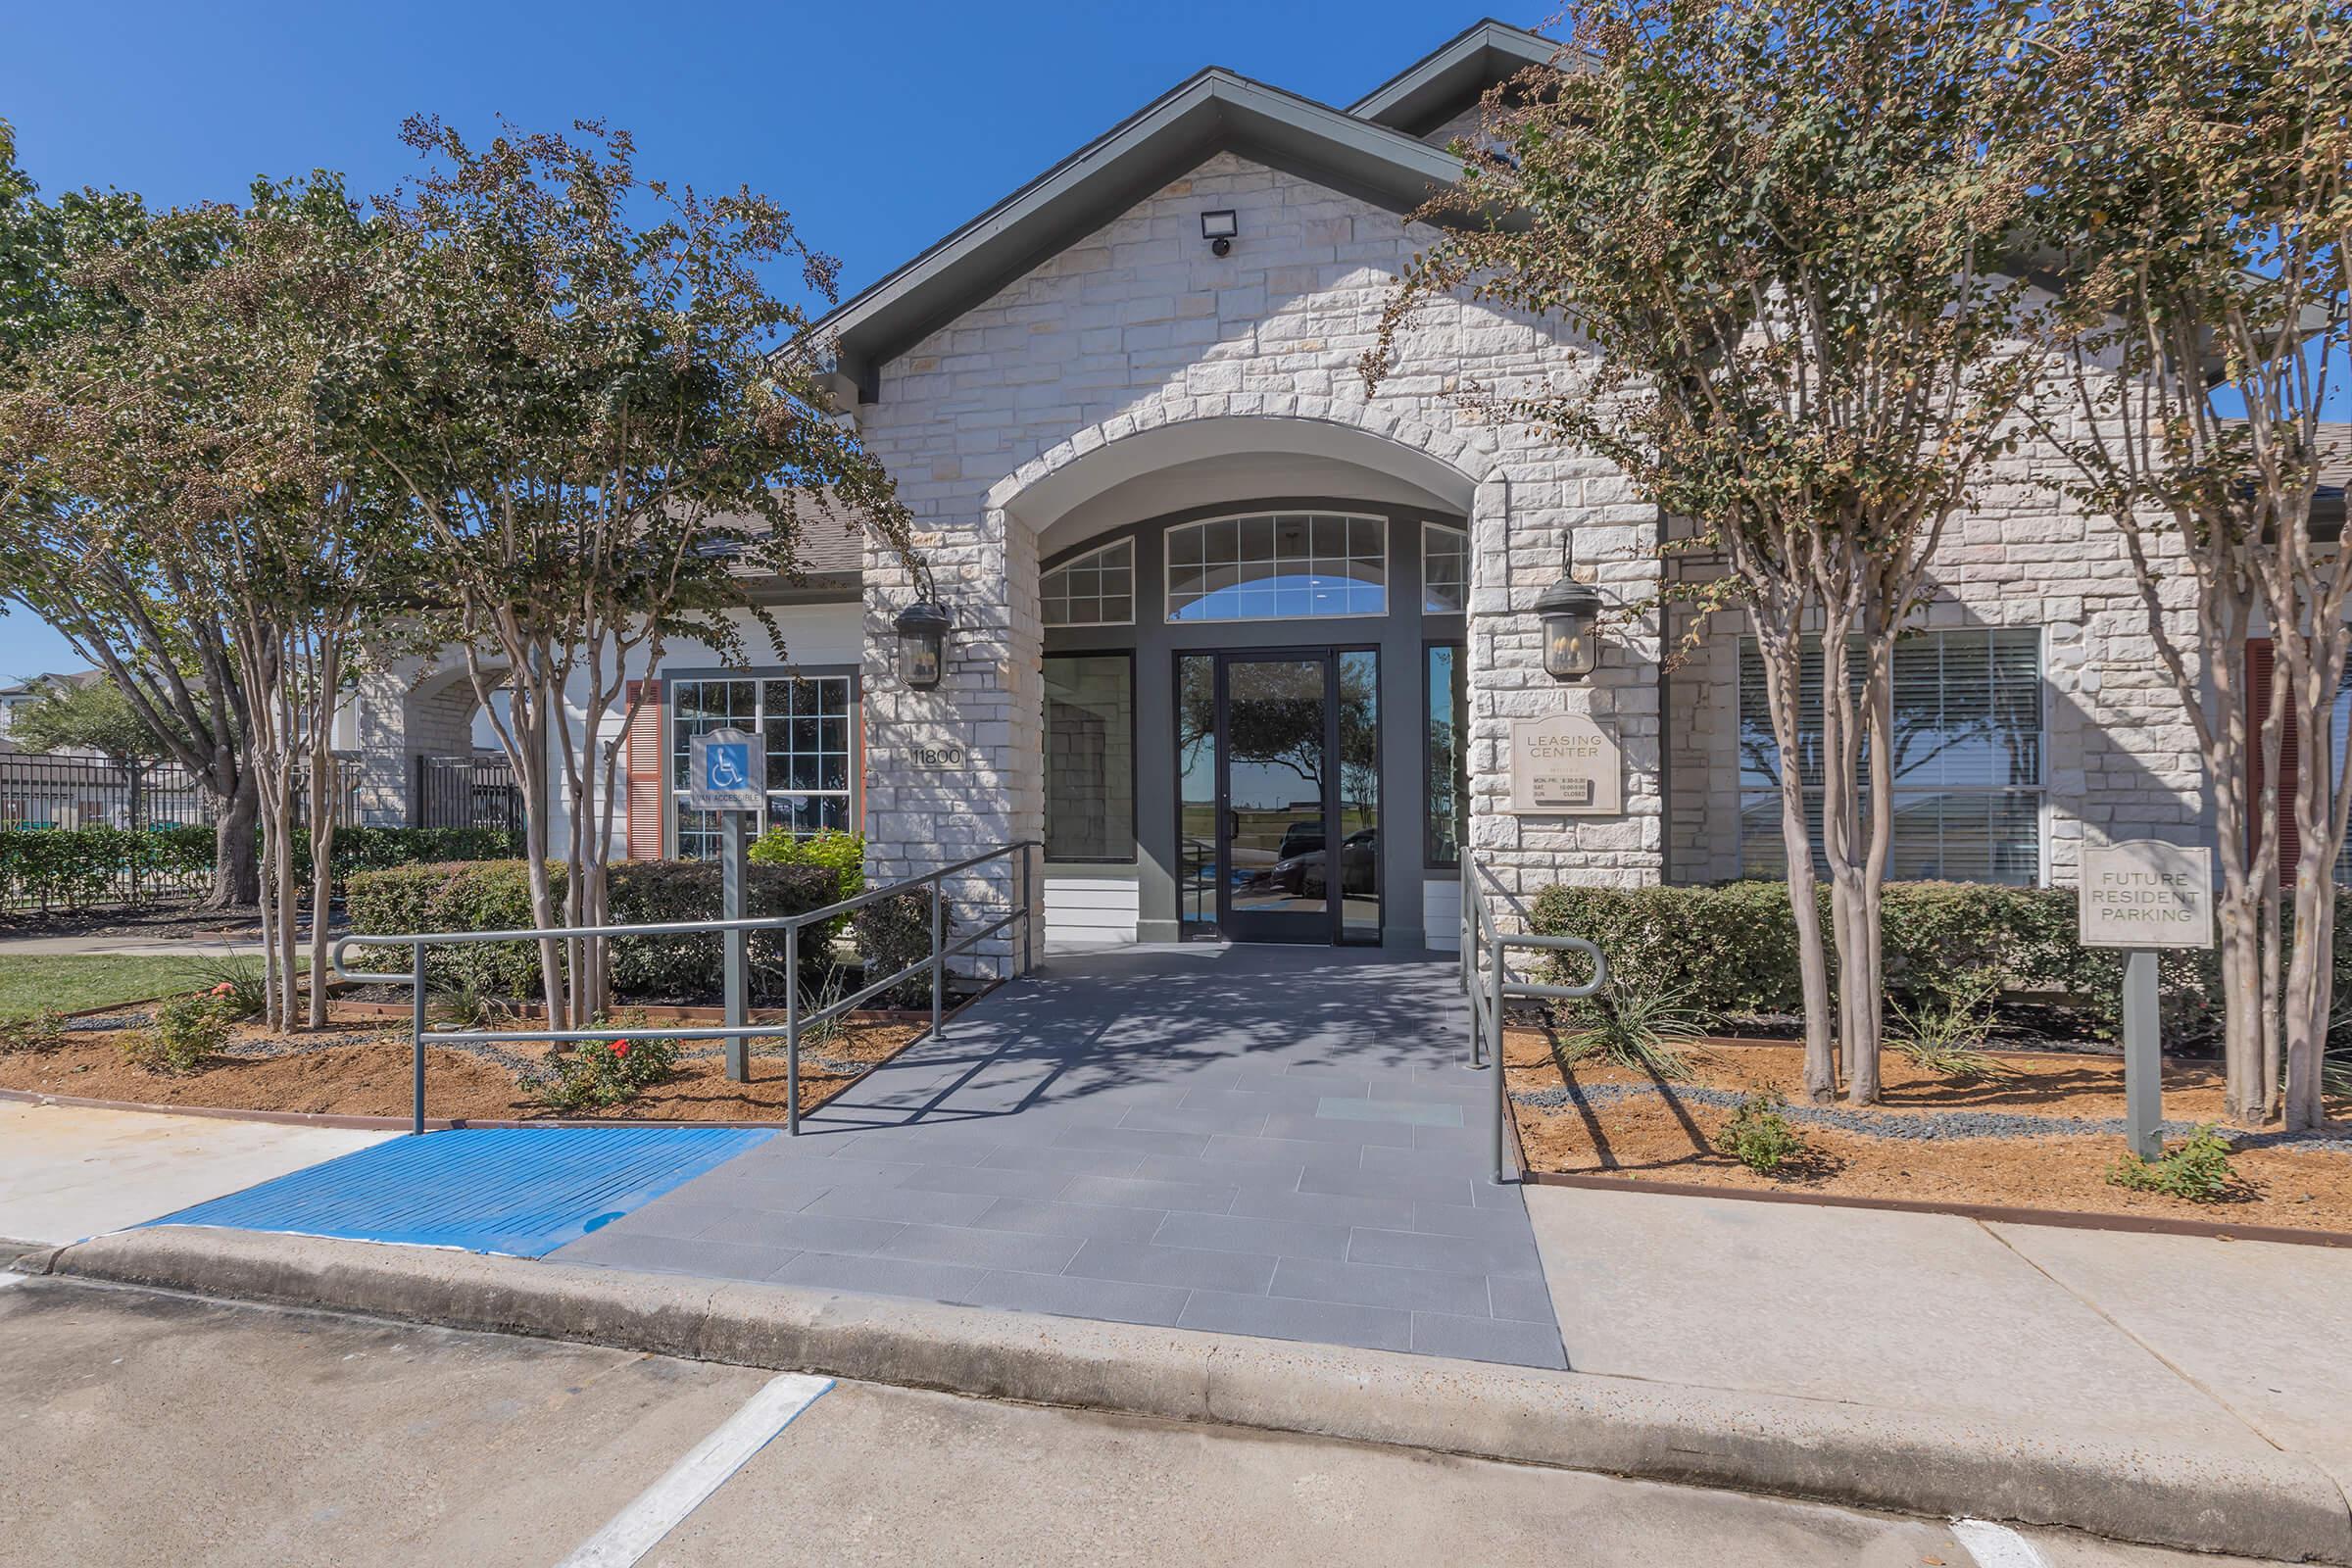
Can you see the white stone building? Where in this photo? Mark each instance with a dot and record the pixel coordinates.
(1244, 648)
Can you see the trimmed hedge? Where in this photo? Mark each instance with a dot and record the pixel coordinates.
(1729, 951)
(70, 867)
(495, 896)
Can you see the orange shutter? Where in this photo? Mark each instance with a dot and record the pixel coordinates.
(2260, 662)
(647, 796)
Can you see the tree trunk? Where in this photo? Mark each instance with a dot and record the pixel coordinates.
(1782, 661)
(325, 782)
(236, 860)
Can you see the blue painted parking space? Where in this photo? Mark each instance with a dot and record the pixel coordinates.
(522, 1192)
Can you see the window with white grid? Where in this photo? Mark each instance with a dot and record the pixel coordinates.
(808, 726)
(1278, 566)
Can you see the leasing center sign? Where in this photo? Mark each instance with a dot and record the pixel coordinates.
(1565, 764)
(2146, 894)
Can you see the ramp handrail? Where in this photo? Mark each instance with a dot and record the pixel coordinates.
(1486, 977)
(790, 924)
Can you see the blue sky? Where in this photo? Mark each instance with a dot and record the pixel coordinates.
(879, 127)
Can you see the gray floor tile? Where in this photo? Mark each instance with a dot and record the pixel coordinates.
(1215, 1172)
(1460, 1219)
(960, 1243)
(991, 1179)
(883, 1276)
(1408, 1289)
(1425, 1163)
(892, 1202)
(1068, 1296)
(1393, 1112)
(1082, 1220)
(760, 1165)
(1521, 1297)
(671, 1254)
(1315, 1128)
(1372, 1328)
(1479, 1255)
(1077, 1162)
(1261, 1151)
(1240, 1272)
(1132, 1141)
(1228, 1233)
(1216, 1120)
(1132, 1192)
(1354, 1182)
(1481, 1339)
(1329, 1209)
(803, 1230)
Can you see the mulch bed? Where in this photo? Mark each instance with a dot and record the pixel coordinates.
(358, 1068)
(2042, 1137)
(162, 920)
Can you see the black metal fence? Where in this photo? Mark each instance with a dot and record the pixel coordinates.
(69, 792)
(465, 791)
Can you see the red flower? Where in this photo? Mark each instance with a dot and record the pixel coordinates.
(620, 1048)
(224, 987)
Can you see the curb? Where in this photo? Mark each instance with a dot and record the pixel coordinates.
(2256, 1504)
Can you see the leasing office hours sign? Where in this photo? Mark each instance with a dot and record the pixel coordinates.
(1565, 764)
(2146, 894)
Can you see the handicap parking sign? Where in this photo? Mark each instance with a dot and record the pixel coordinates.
(725, 771)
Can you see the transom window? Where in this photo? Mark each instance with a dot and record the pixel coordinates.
(807, 722)
(1968, 758)
(1096, 589)
(1444, 569)
(1278, 566)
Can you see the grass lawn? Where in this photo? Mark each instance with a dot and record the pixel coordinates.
(70, 982)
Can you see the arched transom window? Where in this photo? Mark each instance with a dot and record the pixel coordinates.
(1277, 566)
(1096, 589)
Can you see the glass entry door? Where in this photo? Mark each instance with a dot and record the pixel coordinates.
(1292, 850)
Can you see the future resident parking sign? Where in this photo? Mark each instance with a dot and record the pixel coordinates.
(726, 770)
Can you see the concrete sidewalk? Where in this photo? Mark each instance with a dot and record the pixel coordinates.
(2230, 1348)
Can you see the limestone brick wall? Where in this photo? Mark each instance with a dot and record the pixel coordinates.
(1139, 325)
(2120, 756)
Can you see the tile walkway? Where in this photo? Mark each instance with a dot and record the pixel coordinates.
(1255, 1140)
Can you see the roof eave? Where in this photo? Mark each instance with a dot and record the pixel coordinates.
(1213, 112)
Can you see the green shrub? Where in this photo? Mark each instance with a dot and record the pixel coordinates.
(236, 984)
(71, 868)
(599, 1073)
(2198, 1169)
(182, 1033)
(495, 896)
(1647, 1031)
(1729, 952)
(842, 854)
(1758, 1136)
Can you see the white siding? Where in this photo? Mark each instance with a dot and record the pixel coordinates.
(1095, 910)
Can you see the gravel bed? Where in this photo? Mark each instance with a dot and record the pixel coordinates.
(1920, 1127)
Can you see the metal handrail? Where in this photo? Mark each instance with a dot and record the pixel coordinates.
(790, 925)
(1490, 985)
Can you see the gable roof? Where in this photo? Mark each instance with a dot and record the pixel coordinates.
(1215, 111)
(1431, 91)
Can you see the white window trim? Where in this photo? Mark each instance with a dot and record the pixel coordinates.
(1167, 565)
(676, 796)
(1462, 534)
(1080, 560)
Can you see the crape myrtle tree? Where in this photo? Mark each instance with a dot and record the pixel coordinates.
(2199, 206)
(580, 394)
(78, 560)
(187, 434)
(1779, 227)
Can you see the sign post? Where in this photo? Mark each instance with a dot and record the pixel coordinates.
(2146, 897)
(727, 772)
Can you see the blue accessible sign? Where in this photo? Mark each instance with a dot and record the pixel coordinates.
(726, 770)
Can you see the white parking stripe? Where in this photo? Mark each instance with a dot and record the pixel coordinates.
(1997, 1545)
(9, 1277)
(659, 1507)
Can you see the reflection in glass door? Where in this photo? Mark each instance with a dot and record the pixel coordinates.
(1275, 827)
(1278, 793)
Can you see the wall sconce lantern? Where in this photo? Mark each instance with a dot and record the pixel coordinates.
(1570, 611)
(923, 644)
(1218, 229)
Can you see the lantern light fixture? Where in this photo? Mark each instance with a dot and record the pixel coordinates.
(923, 629)
(1218, 229)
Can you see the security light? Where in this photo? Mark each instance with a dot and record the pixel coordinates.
(923, 644)
(1570, 611)
(1218, 229)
